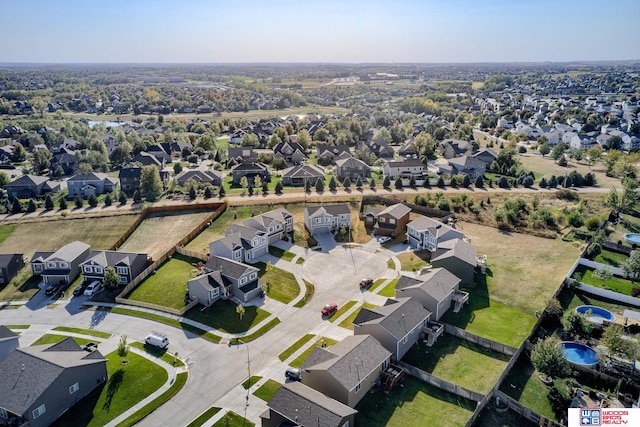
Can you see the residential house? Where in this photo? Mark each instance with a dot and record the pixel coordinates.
(295, 404)
(301, 174)
(487, 156)
(242, 154)
(10, 265)
(130, 179)
(397, 325)
(225, 278)
(277, 223)
(328, 154)
(202, 177)
(426, 233)
(327, 219)
(436, 289)
(408, 150)
(250, 170)
(8, 342)
(347, 370)
(128, 265)
(41, 382)
(67, 161)
(381, 149)
(390, 221)
(353, 169)
(404, 168)
(467, 165)
(87, 183)
(30, 186)
(458, 256)
(241, 244)
(159, 152)
(451, 148)
(146, 159)
(292, 152)
(62, 265)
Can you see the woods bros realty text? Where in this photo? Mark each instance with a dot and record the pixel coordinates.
(604, 417)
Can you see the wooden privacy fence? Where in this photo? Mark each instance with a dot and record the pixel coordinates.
(440, 383)
(481, 341)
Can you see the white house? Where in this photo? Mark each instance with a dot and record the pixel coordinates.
(326, 219)
(426, 233)
(405, 168)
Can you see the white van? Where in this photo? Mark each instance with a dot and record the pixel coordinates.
(157, 339)
(93, 288)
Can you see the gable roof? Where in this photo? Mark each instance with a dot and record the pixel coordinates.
(113, 258)
(27, 372)
(351, 162)
(457, 248)
(69, 252)
(396, 211)
(303, 171)
(437, 229)
(397, 316)
(228, 267)
(6, 333)
(339, 209)
(437, 282)
(201, 176)
(292, 397)
(28, 180)
(340, 360)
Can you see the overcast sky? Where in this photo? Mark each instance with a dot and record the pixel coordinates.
(339, 31)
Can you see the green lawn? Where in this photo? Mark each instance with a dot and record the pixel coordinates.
(303, 356)
(611, 258)
(202, 418)
(260, 332)
(391, 264)
(293, 348)
(127, 385)
(167, 287)
(222, 316)
(389, 290)
(267, 390)
(308, 294)
(231, 419)
(492, 319)
(92, 332)
(414, 261)
(415, 404)
(165, 356)
(522, 383)
(300, 260)
(342, 310)
(460, 362)
(251, 381)
(281, 285)
(347, 323)
(53, 339)
(282, 254)
(616, 284)
(6, 230)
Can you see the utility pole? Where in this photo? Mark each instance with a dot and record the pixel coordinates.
(246, 405)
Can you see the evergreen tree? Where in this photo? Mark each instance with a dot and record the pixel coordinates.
(48, 203)
(192, 192)
(137, 197)
(440, 182)
(31, 207)
(412, 182)
(207, 192)
(359, 182)
(278, 188)
(307, 186)
(386, 183)
(426, 183)
(108, 201)
(150, 197)
(346, 183)
(372, 184)
(63, 204)
(16, 207)
(479, 182)
(466, 181)
(78, 201)
(93, 200)
(319, 185)
(222, 192)
(398, 183)
(265, 187)
(122, 198)
(333, 185)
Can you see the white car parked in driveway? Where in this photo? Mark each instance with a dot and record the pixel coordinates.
(383, 239)
(93, 288)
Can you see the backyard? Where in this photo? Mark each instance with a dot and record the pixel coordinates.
(223, 317)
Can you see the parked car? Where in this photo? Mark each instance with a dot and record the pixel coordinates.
(157, 339)
(366, 282)
(93, 288)
(383, 239)
(52, 288)
(329, 309)
(293, 374)
(79, 290)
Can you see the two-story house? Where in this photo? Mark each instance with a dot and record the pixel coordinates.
(390, 221)
(458, 256)
(397, 325)
(277, 223)
(225, 278)
(348, 370)
(328, 154)
(241, 244)
(425, 233)
(404, 168)
(327, 219)
(62, 265)
(127, 264)
(436, 289)
(130, 179)
(292, 152)
(352, 168)
(88, 183)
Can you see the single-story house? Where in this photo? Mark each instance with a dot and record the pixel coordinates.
(88, 183)
(327, 219)
(62, 265)
(249, 170)
(436, 289)
(295, 404)
(352, 168)
(347, 370)
(206, 177)
(29, 186)
(41, 382)
(451, 148)
(390, 221)
(301, 174)
(242, 154)
(128, 265)
(397, 325)
(10, 265)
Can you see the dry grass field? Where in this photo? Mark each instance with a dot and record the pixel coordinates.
(99, 232)
(547, 167)
(525, 270)
(160, 232)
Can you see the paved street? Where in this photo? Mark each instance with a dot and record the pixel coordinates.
(217, 370)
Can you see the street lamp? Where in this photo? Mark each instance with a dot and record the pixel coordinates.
(246, 405)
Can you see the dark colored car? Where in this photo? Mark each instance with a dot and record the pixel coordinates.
(79, 290)
(366, 282)
(329, 309)
(52, 289)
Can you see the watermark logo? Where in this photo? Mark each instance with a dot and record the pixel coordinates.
(590, 417)
(604, 417)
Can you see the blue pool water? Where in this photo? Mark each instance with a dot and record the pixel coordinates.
(597, 312)
(578, 353)
(632, 238)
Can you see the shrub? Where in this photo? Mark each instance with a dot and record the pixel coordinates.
(575, 219)
(592, 223)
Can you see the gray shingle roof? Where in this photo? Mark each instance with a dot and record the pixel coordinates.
(6, 333)
(396, 211)
(437, 282)
(349, 361)
(458, 248)
(113, 258)
(69, 252)
(228, 267)
(340, 209)
(398, 316)
(307, 407)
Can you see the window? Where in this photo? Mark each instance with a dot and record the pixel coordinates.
(358, 388)
(385, 365)
(243, 280)
(98, 270)
(4, 413)
(51, 265)
(64, 265)
(122, 270)
(318, 220)
(392, 221)
(87, 269)
(382, 219)
(253, 275)
(123, 279)
(37, 268)
(74, 388)
(39, 411)
(346, 424)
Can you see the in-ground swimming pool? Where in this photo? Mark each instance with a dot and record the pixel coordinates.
(632, 238)
(597, 313)
(579, 354)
